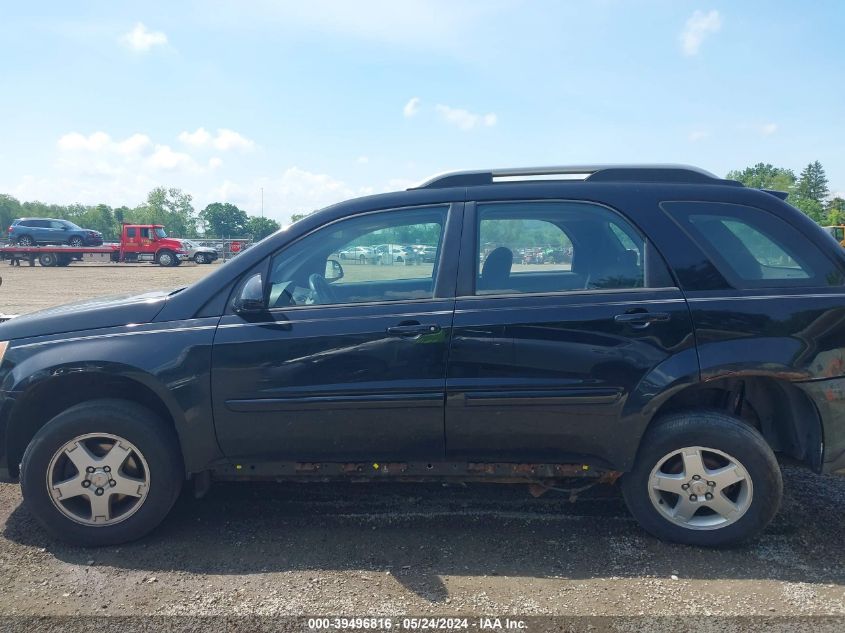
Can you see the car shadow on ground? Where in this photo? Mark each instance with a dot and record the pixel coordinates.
(421, 533)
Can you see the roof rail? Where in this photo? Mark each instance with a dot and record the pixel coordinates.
(593, 173)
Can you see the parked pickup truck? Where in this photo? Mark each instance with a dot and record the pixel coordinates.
(138, 243)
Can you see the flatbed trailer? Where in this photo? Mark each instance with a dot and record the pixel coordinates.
(56, 255)
(138, 243)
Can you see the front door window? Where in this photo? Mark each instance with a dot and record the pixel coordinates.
(389, 256)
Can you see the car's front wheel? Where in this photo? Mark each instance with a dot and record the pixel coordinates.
(703, 478)
(199, 258)
(102, 472)
(166, 258)
(76, 242)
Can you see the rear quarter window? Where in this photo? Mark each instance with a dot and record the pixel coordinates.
(753, 248)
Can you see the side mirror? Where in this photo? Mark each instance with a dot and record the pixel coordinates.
(250, 299)
(334, 270)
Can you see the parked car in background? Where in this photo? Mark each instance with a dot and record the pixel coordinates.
(34, 231)
(423, 253)
(200, 254)
(362, 254)
(698, 333)
(390, 254)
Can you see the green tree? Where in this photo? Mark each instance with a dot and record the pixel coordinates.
(835, 211)
(812, 208)
(765, 176)
(10, 209)
(120, 215)
(259, 228)
(812, 185)
(296, 217)
(223, 219)
(170, 207)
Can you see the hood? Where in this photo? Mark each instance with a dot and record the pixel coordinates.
(170, 242)
(86, 315)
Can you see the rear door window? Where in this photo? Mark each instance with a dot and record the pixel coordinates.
(542, 247)
(753, 248)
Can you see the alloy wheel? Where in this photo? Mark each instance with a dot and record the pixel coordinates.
(700, 488)
(98, 479)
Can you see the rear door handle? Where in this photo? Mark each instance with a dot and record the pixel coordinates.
(641, 319)
(413, 329)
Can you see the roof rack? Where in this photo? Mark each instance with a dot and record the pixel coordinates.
(592, 173)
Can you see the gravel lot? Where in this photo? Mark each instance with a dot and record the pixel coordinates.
(419, 549)
(26, 288)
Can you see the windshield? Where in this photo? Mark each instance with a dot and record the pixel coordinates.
(72, 226)
(160, 233)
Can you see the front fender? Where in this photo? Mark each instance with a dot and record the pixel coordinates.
(172, 360)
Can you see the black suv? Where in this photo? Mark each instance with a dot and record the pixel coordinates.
(688, 330)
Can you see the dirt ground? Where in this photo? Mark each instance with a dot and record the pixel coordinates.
(424, 549)
(26, 288)
(421, 549)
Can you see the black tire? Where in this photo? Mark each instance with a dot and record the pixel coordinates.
(713, 430)
(200, 258)
(150, 434)
(166, 258)
(26, 240)
(48, 260)
(64, 260)
(76, 242)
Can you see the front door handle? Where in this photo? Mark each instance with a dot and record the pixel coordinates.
(413, 329)
(641, 319)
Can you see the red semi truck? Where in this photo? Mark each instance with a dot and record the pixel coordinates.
(138, 243)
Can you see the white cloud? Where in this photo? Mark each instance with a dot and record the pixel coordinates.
(94, 168)
(411, 108)
(224, 140)
(465, 119)
(362, 160)
(698, 135)
(295, 190)
(141, 39)
(698, 27)
(165, 158)
(229, 139)
(197, 139)
(767, 129)
(100, 153)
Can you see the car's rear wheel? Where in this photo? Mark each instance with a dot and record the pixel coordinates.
(102, 472)
(26, 240)
(75, 241)
(704, 478)
(48, 259)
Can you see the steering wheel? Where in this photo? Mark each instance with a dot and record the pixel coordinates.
(323, 292)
